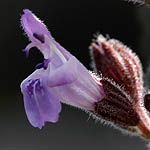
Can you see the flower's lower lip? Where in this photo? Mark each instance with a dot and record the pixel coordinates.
(30, 85)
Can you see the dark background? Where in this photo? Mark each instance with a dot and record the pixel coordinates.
(73, 24)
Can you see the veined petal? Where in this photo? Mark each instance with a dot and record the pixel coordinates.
(50, 106)
(65, 74)
(82, 92)
(41, 103)
(31, 108)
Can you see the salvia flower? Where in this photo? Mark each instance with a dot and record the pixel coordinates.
(60, 78)
(117, 96)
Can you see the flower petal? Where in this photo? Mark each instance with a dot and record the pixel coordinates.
(65, 74)
(37, 32)
(50, 106)
(41, 103)
(75, 85)
(32, 25)
(31, 107)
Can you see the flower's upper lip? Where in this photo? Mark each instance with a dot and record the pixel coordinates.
(31, 24)
(40, 36)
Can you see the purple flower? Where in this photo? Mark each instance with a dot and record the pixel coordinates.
(118, 96)
(60, 78)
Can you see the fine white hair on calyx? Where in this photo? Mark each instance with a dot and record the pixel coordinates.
(109, 124)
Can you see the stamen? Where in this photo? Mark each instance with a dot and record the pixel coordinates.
(28, 47)
(39, 66)
(44, 64)
(39, 37)
(26, 51)
(55, 49)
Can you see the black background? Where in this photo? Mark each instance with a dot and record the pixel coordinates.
(73, 24)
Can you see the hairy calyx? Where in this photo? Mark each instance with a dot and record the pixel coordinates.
(122, 80)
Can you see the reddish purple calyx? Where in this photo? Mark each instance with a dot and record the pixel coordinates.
(116, 106)
(115, 61)
(122, 80)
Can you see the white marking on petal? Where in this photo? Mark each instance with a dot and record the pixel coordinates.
(55, 49)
